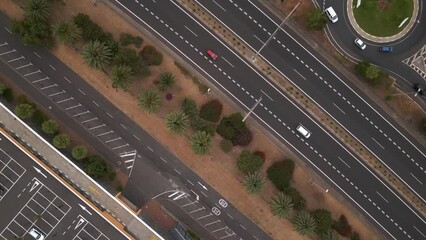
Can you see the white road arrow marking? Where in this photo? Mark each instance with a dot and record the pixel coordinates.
(203, 186)
(39, 171)
(85, 209)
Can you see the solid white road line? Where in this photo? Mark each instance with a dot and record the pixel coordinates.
(258, 39)
(344, 162)
(266, 95)
(339, 108)
(416, 178)
(219, 6)
(382, 197)
(191, 31)
(228, 62)
(299, 74)
(377, 143)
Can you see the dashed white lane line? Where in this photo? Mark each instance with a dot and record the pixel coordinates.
(416, 178)
(344, 162)
(382, 197)
(164, 160)
(191, 31)
(339, 108)
(299, 74)
(228, 62)
(378, 143)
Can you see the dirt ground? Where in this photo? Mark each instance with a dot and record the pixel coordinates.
(207, 167)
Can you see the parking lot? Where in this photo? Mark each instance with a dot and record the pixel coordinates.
(34, 202)
(67, 101)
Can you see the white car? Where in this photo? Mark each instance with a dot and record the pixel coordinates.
(331, 14)
(359, 43)
(36, 234)
(304, 131)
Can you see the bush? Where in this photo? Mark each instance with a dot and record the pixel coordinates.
(316, 19)
(342, 226)
(79, 152)
(355, 236)
(50, 126)
(233, 128)
(126, 39)
(226, 145)
(61, 141)
(129, 57)
(281, 173)
(299, 203)
(90, 30)
(151, 56)
(32, 32)
(24, 111)
(261, 155)
(199, 124)
(8, 94)
(39, 117)
(22, 99)
(247, 162)
(211, 111)
(97, 167)
(323, 219)
(189, 107)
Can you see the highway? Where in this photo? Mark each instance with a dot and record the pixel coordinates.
(33, 198)
(239, 81)
(55, 87)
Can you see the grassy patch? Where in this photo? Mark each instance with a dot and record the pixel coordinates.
(382, 17)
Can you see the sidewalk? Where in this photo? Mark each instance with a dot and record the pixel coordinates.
(110, 206)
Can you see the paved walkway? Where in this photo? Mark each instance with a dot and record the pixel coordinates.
(363, 34)
(111, 207)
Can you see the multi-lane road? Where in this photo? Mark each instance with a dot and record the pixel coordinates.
(294, 59)
(32, 198)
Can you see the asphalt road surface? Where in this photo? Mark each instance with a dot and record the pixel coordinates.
(239, 81)
(30, 197)
(399, 62)
(154, 172)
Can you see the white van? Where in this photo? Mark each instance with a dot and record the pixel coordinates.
(302, 130)
(36, 234)
(331, 14)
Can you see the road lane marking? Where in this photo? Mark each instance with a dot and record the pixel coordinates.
(378, 143)
(339, 108)
(382, 197)
(419, 231)
(228, 62)
(191, 31)
(266, 95)
(416, 178)
(344, 162)
(299, 74)
(52, 67)
(258, 39)
(219, 6)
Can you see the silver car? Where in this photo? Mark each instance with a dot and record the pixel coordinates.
(359, 43)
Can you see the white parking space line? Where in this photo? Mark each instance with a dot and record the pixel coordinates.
(89, 120)
(16, 59)
(299, 74)
(4, 53)
(377, 143)
(96, 127)
(56, 93)
(191, 31)
(32, 73)
(339, 108)
(39, 80)
(50, 86)
(75, 106)
(64, 100)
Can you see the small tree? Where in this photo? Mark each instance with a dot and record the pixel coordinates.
(361, 67)
(151, 56)
(150, 101)
(281, 173)
(50, 126)
(67, 32)
(248, 162)
(200, 142)
(38, 10)
(177, 122)
(304, 223)
(24, 111)
(166, 81)
(254, 182)
(97, 167)
(299, 203)
(189, 107)
(211, 111)
(121, 76)
(323, 219)
(79, 152)
(61, 141)
(316, 19)
(226, 145)
(342, 226)
(281, 205)
(372, 73)
(32, 32)
(96, 54)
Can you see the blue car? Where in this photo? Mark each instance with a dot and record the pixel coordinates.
(385, 49)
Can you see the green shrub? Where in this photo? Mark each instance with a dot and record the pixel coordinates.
(90, 30)
(61, 141)
(50, 126)
(281, 173)
(22, 99)
(316, 19)
(299, 203)
(261, 154)
(151, 56)
(189, 107)
(233, 128)
(355, 236)
(8, 94)
(97, 167)
(24, 111)
(199, 124)
(129, 57)
(211, 111)
(79, 152)
(247, 162)
(342, 226)
(323, 219)
(126, 39)
(226, 145)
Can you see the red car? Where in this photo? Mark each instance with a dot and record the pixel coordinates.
(211, 54)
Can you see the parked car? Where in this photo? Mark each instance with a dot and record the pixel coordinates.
(211, 54)
(418, 89)
(331, 14)
(36, 234)
(359, 43)
(386, 49)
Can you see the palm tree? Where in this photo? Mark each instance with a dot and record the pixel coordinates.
(150, 101)
(37, 9)
(330, 235)
(200, 142)
(167, 80)
(254, 182)
(281, 205)
(67, 32)
(304, 223)
(96, 54)
(121, 76)
(177, 122)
